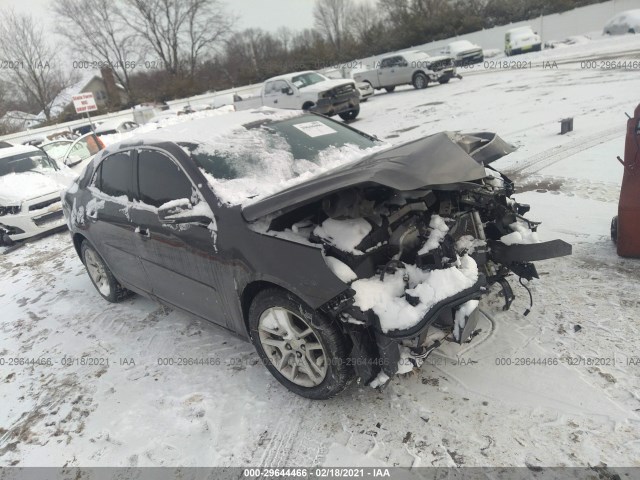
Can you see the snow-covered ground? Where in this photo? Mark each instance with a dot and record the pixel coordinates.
(560, 386)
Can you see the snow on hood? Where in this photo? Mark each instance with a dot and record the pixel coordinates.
(18, 187)
(324, 86)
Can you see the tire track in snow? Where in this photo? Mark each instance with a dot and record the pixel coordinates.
(283, 436)
(553, 155)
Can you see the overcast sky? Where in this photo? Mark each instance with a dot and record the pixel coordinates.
(266, 14)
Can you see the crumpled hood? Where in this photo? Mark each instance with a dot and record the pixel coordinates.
(18, 187)
(324, 86)
(438, 160)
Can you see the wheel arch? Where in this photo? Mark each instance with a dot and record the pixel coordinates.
(417, 72)
(249, 293)
(307, 105)
(78, 238)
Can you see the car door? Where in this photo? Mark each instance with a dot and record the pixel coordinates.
(403, 71)
(180, 258)
(388, 71)
(82, 151)
(108, 219)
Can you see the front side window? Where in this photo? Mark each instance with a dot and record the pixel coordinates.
(115, 175)
(160, 180)
(269, 88)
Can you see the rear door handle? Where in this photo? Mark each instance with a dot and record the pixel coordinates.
(143, 231)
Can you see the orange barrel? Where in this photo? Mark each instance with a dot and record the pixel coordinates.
(629, 205)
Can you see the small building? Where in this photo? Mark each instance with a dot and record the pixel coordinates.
(90, 82)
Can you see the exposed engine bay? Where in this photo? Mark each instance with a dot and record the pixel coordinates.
(417, 262)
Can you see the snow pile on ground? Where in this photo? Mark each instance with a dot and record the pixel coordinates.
(386, 297)
(345, 235)
(436, 236)
(521, 234)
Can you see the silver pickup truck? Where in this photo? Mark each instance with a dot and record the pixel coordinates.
(415, 68)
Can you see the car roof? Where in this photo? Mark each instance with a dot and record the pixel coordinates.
(520, 29)
(18, 149)
(205, 130)
(289, 75)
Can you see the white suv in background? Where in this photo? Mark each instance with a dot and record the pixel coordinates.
(521, 40)
(30, 186)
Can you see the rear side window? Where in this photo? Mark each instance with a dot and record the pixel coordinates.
(115, 175)
(160, 180)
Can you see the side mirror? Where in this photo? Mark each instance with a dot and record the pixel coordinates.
(180, 212)
(403, 64)
(287, 91)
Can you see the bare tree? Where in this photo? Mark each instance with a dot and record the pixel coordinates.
(179, 32)
(330, 19)
(37, 74)
(97, 34)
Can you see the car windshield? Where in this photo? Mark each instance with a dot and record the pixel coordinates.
(56, 150)
(26, 162)
(296, 146)
(306, 79)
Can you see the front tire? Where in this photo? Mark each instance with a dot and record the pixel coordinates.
(389, 89)
(614, 229)
(304, 350)
(420, 81)
(350, 115)
(444, 80)
(101, 277)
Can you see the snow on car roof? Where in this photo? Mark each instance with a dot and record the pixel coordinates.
(289, 75)
(631, 15)
(461, 43)
(17, 149)
(206, 130)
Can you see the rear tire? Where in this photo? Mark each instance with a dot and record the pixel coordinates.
(614, 229)
(389, 89)
(101, 277)
(307, 106)
(350, 115)
(304, 350)
(5, 240)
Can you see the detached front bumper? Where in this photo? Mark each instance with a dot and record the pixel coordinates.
(336, 105)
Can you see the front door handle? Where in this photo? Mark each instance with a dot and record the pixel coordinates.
(143, 231)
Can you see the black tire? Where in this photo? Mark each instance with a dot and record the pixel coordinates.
(350, 115)
(5, 240)
(614, 229)
(307, 106)
(632, 30)
(335, 345)
(116, 292)
(444, 80)
(389, 89)
(420, 81)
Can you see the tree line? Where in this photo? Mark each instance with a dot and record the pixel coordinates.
(160, 50)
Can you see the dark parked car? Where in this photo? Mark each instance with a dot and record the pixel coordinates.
(332, 253)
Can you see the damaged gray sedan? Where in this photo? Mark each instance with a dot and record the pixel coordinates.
(336, 255)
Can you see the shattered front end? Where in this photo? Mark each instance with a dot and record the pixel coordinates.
(418, 260)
